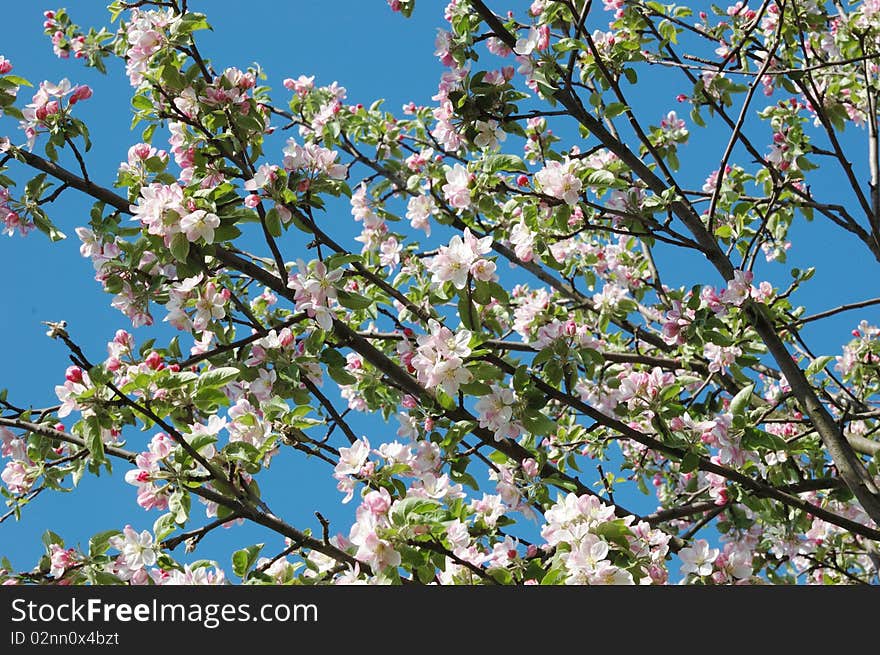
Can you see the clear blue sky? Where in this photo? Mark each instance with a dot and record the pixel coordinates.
(374, 54)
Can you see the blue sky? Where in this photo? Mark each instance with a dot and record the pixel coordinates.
(374, 54)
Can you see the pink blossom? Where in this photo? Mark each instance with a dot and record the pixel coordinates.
(495, 412)
(527, 44)
(456, 189)
(159, 209)
(418, 209)
(200, 224)
(60, 560)
(313, 158)
(698, 559)
(738, 289)
(720, 357)
(352, 459)
(301, 85)
(523, 240)
(489, 134)
(676, 323)
(12, 446)
(439, 359)
(530, 467)
(559, 180)
(453, 263)
(136, 549)
(389, 253)
(16, 477)
(314, 286)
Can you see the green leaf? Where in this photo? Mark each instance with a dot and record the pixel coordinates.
(475, 388)
(103, 578)
(741, 400)
(615, 532)
(521, 378)
(819, 364)
(243, 560)
(537, 422)
(690, 462)
(338, 260)
(178, 505)
(226, 233)
(16, 80)
(724, 232)
(753, 439)
(180, 379)
(341, 376)
(100, 542)
(554, 577)
(614, 109)
(352, 300)
(142, 102)
(244, 452)
(468, 313)
(191, 22)
(164, 526)
(600, 178)
(217, 377)
(273, 222)
(50, 538)
(93, 440)
(201, 441)
(502, 162)
(180, 246)
(404, 509)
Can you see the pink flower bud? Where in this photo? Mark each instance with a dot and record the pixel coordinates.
(409, 402)
(252, 201)
(5, 66)
(154, 360)
(52, 107)
(141, 150)
(83, 92)
(74, 374)
(286, 337)
(49, 14)
(522, 180)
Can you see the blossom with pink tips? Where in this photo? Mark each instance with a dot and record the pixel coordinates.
(698, 558)
(456, 190)
(559, 180)
(137, 550)
(453, 263)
